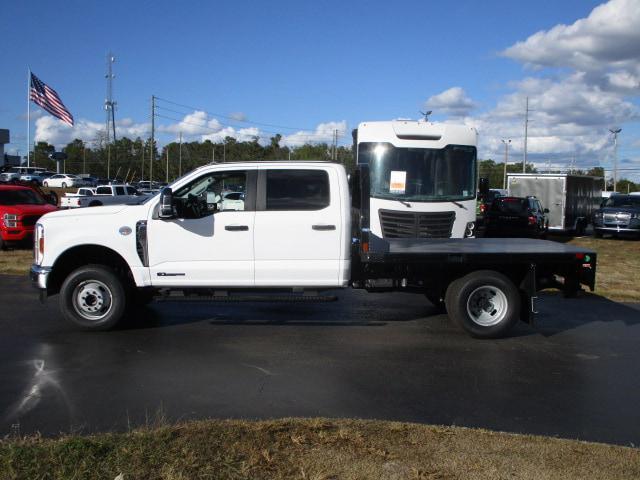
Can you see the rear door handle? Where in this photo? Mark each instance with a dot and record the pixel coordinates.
(323, 227)
(236, 228)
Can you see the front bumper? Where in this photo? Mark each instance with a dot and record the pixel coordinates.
(616, 229)
(39, 276)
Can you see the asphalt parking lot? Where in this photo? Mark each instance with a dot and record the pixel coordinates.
(385, 356)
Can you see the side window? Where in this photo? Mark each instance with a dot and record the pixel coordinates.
(120, 191)
(131, 191)
(297, 190)
(103, 191)
(211, 193)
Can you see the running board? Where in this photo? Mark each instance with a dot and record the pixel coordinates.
(223, 296)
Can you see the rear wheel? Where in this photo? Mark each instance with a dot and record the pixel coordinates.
(45, 184)
(64, 185)
(93, 297)
(486, 304)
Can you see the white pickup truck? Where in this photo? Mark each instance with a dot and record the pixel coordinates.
(102, 195)
(302, 228)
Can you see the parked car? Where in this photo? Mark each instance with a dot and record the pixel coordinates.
(64, 180)
(20, 209)
(516, 217)
(102, 195)
(619, 215)
(483, 204)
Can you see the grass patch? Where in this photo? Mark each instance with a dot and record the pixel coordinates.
(313, 449)
(15, 261)
(618, 267)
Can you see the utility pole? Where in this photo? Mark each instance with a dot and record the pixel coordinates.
(224, 151)
(153, 133)
(167, 171)
(526, 133)
(506, 161)
(615, 132)
(142, 159)
(180, 157)
(213, 153)
(84, 158)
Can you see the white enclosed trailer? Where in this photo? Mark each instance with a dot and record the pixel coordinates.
(571, 199)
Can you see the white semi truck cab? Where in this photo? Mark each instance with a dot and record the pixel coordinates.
(423, 178)
(298, 228)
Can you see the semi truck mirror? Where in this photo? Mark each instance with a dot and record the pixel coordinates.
(166, 204)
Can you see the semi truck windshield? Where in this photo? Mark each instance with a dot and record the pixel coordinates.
(420, 174)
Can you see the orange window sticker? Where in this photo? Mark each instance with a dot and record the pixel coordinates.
(398, 181)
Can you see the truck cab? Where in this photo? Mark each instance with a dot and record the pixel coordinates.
(423, 178)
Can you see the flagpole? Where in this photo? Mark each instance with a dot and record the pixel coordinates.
(28, 117)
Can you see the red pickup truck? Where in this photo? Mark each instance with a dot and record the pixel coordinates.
(20, 209)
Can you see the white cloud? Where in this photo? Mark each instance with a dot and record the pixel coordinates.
(241, 135)
(453, 102)
(51, 130)
(323, 133)
(193, 125)
(609, 36)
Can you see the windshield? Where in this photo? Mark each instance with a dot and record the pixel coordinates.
(20, 197)
(420, 174)
(623, 201)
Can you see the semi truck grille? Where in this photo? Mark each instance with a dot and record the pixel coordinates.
(29, 220)
(416, 225)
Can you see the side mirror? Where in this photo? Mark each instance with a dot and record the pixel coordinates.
(166, 210)
(546, 210)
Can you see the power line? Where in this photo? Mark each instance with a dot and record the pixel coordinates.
(229, 117)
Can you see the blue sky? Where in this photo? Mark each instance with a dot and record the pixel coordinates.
(316, 66)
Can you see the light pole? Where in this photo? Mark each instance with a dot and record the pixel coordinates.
(506, 142)
(615, 132)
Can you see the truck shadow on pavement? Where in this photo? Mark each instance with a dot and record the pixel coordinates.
(555, 315)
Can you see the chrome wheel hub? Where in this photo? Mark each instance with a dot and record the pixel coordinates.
(487, 305)
(92, 299)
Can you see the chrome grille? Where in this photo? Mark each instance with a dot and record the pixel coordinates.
(617, 217)
(416, 225)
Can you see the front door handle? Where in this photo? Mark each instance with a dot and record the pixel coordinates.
(236, 228)
(323, 227)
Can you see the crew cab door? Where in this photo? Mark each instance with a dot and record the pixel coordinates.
(297, 227)
(205, 245)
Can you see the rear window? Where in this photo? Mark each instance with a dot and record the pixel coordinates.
(297, 189)
(627, 201)
(510, 205)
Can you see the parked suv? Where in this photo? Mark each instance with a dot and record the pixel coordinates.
(619, 214)
(516, 217)
(20, 209)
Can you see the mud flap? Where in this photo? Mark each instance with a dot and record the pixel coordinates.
(528, 296)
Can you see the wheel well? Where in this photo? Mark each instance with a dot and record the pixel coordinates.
(85, 255)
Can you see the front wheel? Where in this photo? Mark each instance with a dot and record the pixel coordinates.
(45, 184)
(64, 185)
(486, 304)
(93, 297)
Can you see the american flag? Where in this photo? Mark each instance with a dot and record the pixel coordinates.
(46, 97)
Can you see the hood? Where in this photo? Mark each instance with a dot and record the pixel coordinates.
(28, 209)
(87, 211)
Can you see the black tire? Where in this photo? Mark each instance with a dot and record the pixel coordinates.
(104, 291)
(45, 184)
(64, 185)
(437, 300)
(3, 245)
(597, 234)
(469, 301)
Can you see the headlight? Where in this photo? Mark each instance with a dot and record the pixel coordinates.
(10, 220)
(38, 244)
(468, 232)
